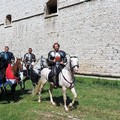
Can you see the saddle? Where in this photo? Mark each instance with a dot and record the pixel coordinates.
(54, 79)
(54, 75)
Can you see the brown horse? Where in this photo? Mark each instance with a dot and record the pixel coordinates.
(17, 66)
(12, 75)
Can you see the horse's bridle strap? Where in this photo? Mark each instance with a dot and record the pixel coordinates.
(67, 80)
(75, 66)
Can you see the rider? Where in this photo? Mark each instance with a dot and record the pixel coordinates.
(56, 61)
(7, 56)
(28, 59)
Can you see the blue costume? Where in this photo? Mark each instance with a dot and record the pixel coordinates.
(7, 56)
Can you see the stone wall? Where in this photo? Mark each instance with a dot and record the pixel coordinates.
(89, 29)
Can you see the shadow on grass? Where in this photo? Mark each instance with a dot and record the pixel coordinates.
(7, 98)
(59, 101)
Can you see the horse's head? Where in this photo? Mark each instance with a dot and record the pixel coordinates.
(74, 63)
(40, 64)
(19, 64)
(44, 63)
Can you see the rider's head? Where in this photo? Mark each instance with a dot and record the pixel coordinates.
(6, 48)
(30, 50)
(56, 46)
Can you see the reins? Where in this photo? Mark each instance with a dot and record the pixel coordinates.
(67, 80)
(71, 83)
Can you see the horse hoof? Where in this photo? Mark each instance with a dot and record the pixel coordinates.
(53, 103)
(70, 105)
(66, 109)
(39, 100)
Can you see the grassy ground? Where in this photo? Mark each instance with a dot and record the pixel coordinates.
(97, 100)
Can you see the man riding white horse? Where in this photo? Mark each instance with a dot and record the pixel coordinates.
(66, 75)
(56, 61)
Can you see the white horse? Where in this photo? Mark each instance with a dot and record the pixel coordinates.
(66, 80)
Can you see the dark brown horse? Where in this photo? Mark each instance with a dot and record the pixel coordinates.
(17, 66)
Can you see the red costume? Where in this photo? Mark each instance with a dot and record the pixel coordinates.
(9, 73)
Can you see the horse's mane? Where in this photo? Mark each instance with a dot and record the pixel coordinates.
(68, 62)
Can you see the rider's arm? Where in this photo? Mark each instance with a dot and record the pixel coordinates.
(51, 59)
(12, 56)
(64, 59)
(33, 58)
(1, 54)
(25, 59)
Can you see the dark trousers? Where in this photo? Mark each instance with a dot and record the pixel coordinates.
(27, 72)
(54, 74)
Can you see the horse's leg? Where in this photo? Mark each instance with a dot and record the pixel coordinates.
(75, 96)
(4, 87)
(1, 93)
(35, 79)
(5, 83)
(51, 97)
(40, 86)
(64, 97)
(21, 84)
(34, 85)
(23, 81)
(39, 93)
(13, 91)
(2, 90)
(5, 91)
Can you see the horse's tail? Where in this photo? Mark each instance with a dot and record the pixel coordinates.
(37, 88)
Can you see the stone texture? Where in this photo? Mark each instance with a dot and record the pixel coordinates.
(89, 29)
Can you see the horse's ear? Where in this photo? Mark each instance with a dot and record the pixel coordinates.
(68, 56)
(73, 56)
(76, 55)
(20, 58)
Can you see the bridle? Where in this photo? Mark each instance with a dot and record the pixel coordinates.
(72, 67)
(71, 83)
(77, 65)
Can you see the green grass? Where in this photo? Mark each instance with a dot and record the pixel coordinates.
(97, 100)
